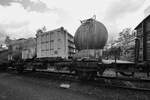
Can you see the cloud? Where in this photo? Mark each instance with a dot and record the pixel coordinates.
(18, 22)
(30, 5)
(147, 11)
(122, 14)
(21, 18)
(13, 25)
(119, 8)
(6, 2)
(34, 5)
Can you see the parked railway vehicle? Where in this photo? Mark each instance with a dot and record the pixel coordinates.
(54, 49)
(141, 61)
(90, 38)
(43, 51)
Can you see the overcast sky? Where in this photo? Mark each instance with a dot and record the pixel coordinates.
(21, 18)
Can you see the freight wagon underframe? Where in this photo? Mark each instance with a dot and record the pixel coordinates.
(88, 69)
(129, 69)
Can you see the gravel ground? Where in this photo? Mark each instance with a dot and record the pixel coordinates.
(77, 89)
(14, 87)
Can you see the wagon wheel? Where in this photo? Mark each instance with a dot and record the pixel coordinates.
(33, 69)
(19, 69)
(101, 70)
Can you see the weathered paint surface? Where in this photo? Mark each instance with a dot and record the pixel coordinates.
(91, 35)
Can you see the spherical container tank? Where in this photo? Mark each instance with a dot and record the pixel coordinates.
(91, 34)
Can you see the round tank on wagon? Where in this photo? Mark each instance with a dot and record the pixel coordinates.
(90, 38)
(91, 34)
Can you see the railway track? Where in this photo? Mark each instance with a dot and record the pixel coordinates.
(100, 81)
(119, 86)
(125, 79)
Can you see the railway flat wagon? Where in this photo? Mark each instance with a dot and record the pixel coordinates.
(53, 50)
(90, 38)
(47, 49)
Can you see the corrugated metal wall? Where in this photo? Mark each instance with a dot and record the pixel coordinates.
(52, 44)
(29, 49)
(140, 37)
(143, 33)
(147, 30)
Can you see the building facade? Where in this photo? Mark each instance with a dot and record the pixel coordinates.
(55, 43)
